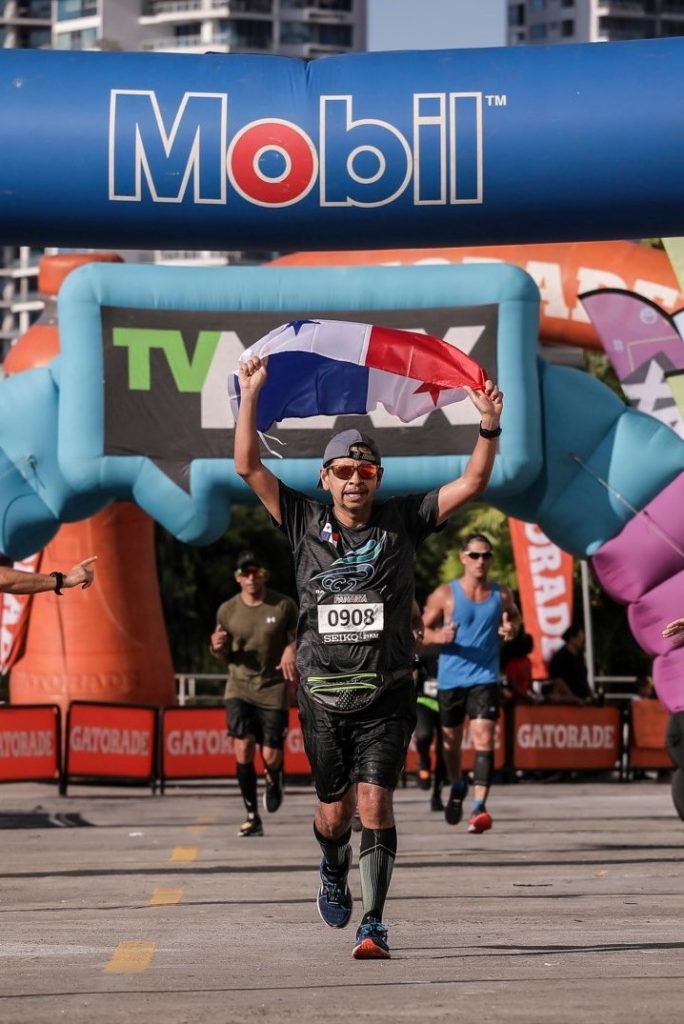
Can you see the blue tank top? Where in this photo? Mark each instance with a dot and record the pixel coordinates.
(473, 659)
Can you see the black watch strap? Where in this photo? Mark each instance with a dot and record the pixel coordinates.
(59, 582)
(490, 434)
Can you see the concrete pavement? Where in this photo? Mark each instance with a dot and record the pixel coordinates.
(117, 905)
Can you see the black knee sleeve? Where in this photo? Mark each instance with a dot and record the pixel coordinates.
(484, 768)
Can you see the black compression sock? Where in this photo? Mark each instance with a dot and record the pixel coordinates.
(376, 860)
(247, 782)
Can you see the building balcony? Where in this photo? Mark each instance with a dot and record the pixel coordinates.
(163, 11)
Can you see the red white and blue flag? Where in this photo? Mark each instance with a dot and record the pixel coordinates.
(335, 368)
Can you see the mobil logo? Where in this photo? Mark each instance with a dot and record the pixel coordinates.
(198, 152)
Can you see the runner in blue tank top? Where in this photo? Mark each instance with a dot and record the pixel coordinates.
(467, 617)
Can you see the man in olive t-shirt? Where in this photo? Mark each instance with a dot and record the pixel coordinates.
(254, 634)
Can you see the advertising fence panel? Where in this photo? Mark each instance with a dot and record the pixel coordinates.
(195, 745)
(111, 741)
(647, 735)
(30, 743)
(121, 742)
(566, 738)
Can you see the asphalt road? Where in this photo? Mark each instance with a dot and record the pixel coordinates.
(116, 905)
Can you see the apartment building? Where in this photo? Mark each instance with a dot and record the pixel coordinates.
(592, 21)
(294, 28)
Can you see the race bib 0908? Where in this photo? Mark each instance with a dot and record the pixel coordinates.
(350, 618)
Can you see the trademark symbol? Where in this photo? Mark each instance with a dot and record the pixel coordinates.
(496, 100)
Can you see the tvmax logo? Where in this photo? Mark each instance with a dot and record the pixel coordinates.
(271, 162)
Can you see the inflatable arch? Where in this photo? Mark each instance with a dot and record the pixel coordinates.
(462, 147)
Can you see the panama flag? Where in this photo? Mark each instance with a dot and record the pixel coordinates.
(333, 368)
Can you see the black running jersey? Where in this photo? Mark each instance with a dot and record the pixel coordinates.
(355, 586)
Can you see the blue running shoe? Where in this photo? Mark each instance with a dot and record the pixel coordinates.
(453, 810)
(334, 900)
(371, 941)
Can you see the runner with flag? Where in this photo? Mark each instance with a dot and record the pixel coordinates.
(354, 565)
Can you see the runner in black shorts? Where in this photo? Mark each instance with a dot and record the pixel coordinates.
(354, 563)
(254, 638)
(467, 616)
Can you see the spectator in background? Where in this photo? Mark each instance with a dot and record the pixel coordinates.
(254, 635)
(517, 669)
(568, 678)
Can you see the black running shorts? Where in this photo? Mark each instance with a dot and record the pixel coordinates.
(367, 746)
(474, 701)
(267, 725)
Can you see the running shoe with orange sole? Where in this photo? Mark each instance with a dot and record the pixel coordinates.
(371, 941)
(480, 822)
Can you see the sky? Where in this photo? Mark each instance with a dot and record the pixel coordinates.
(435, 24)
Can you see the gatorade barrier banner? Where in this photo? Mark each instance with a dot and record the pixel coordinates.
(30, 743)
(195, 745)
(545, 583)
(467, 749)
(111, 741)
(567, 738)
(648, 724)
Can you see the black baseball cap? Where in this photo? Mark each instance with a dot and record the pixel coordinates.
(339, 447)
(246, 558)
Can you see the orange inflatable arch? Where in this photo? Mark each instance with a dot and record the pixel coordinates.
(562, 273)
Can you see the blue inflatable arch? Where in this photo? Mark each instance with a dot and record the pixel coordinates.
(517, 144)
(387, 149)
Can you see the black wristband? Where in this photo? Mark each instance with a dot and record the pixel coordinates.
(489, 434)
(59, 581)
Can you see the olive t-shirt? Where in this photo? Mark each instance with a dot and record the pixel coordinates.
(257, 637)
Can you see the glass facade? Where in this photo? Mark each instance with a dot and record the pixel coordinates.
(304, 32)
(67, 10)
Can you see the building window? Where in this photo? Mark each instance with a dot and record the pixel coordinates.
(537, 32)
(245, 34)
(537, 5)
(567, 28)
(627, 28)
(80, 40)
(298, 33)
(567, 3)
(516, 15)
(321, 5)
(67, 10)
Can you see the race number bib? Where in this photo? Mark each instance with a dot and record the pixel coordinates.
(350, 618)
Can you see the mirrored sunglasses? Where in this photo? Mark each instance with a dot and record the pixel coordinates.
(484, 555)
(251, 570)
(366, 471)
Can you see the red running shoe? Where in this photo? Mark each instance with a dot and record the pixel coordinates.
(480, 822)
